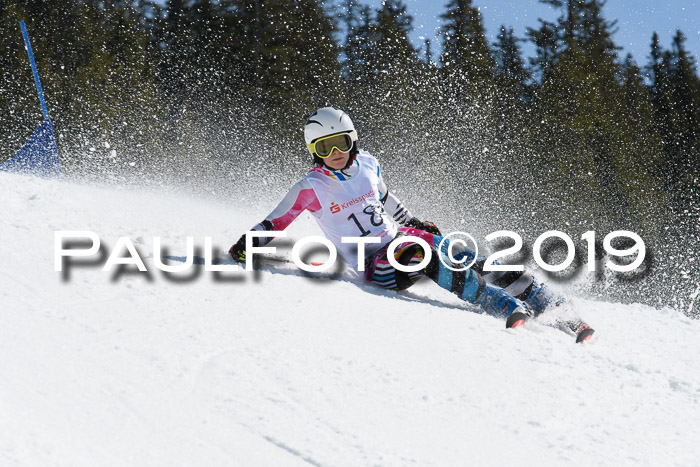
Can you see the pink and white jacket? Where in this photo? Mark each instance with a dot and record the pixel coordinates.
(352, 202)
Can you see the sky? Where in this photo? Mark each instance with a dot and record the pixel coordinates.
(637, 21)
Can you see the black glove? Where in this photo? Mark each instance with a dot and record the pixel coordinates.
(237, 251)
(426, 226)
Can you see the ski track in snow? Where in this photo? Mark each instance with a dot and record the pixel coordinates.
(275, 368)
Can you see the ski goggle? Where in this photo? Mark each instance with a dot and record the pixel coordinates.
(323, 147)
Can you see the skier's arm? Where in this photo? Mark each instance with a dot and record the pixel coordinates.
(300, 198)
(393, 206)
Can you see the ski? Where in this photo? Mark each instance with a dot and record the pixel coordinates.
(581, 330)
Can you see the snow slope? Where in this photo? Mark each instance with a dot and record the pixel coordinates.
(275, 368)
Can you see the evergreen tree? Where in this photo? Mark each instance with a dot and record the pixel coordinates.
(466, 84)
(428, 52)
(640, 111)
(466, 57)
(585, 26)
(394, 53)
(174, 37)
(675, 95)
(685, 84)
(392, 67)
(294, 54)
(585, 109)
(547, 42)
(357, 67)
(513, 92)
(511, 75)
(660, 93)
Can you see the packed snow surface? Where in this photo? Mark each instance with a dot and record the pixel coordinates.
(275, 367)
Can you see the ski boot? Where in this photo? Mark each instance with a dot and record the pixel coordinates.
(517, 318)
(582, 331)
(496, 300)
(540, 298)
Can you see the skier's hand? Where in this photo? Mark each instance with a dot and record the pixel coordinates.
(426, 226)
(237, 251)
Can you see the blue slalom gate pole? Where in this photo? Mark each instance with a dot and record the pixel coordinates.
(36, 73)
(39, 155)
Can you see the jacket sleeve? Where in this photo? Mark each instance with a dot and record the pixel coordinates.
(391, 203)
(301, 197)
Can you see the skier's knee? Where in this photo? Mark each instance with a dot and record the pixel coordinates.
(465, 283)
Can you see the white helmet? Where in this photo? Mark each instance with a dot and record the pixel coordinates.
(328, 121)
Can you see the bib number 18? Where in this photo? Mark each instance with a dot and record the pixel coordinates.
(375, 219)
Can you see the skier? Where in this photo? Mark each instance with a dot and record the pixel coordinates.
(346, 194)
